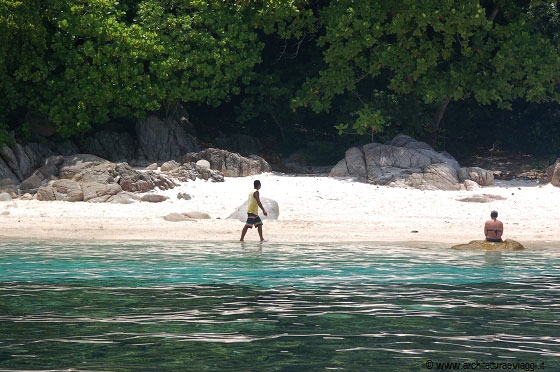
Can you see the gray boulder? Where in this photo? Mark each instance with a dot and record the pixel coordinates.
(177, 217)
(67, 190)
(45, 193)
(270, 205)
(123, 198)
(402, 161)
(22, 160)
(164, 139)
(113, 146)
(50, 166)
(153, 166)
(356, 163)
(471, 185)
(481, 176)
(169, 166)
(153, 198)
(184, 196)
(93, 190)
(9, 157)
(554, 171)
(4, 196)
(340, 169)
(205, 164)
(32, 182)
(481, 198)
(9, 186)
(26, 196)
(6, 172)
(435, 177)
(78, 164)
(99, 199)
(230, 164)
(48, 170)
(198, 215)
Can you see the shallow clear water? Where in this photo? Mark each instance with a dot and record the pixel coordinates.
(274, 307)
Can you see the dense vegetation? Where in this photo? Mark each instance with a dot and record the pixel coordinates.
(321, 74)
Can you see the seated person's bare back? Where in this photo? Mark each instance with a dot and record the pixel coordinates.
(494, 229)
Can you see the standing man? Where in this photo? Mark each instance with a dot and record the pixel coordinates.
(253, 218)
(493, 229)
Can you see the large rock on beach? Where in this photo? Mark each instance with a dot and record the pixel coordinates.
(270, 205)
(481, 176)
(4, 196)
(230, 164)
(77, 164)
(6, 172)
(153, 198)
(435, 177)
(177, 217)
(45, 193)
(18, 162)
(506, 245)
(163, 140)
(198, 215)
(553, 174)
(481, 198)
(403, 161)
(9, 186)
(93, 190)
(67, 190)
(123, 198)
(169, 166)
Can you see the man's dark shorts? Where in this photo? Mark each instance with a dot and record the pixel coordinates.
(253, 219)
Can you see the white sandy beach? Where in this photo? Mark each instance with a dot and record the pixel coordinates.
(312, 209)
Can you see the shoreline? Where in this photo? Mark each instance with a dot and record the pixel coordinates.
(313, 209)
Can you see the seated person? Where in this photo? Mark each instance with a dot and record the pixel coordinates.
(493, 229)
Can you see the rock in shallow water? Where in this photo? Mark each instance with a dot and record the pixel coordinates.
(507, 245)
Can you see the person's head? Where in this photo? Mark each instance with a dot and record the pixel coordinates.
(257, 184)
(493, 215)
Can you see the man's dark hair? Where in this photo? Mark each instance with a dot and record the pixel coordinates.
(494, 214)
(256, 183)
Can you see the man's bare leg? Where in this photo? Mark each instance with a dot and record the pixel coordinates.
(259, 229)
(245, 228)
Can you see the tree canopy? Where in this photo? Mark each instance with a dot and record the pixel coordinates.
(292, 66)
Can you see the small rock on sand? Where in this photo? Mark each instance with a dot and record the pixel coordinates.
(198, 215)
(4, 196)
(177, 217)
(153, 198)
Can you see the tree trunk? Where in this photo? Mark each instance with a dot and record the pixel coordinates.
(278, 123)
(439, 116)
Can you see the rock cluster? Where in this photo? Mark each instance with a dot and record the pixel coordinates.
(230, 164)
(404, 161)
(87, 177)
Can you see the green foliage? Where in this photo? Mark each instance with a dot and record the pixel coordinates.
(84, 63)
(437, 51)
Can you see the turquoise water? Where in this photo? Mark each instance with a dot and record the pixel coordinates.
(274, 307)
